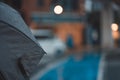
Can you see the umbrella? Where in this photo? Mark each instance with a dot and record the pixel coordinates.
(18, 47)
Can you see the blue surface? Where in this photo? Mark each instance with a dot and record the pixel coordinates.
(83, 69)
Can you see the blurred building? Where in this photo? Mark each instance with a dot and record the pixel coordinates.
(47, 6)
(30, 6)
(89, 21)
(39, 14)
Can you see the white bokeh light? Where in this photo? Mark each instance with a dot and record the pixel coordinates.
(114, 27)
(58, 9)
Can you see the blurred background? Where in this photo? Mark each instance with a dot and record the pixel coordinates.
(79, 36)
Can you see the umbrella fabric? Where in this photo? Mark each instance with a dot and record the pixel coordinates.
(16, 43)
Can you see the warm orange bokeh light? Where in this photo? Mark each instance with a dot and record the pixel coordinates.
(114, 27)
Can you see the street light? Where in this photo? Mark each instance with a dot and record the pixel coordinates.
(58, 9)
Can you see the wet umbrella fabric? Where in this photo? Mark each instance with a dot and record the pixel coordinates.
(17, 45)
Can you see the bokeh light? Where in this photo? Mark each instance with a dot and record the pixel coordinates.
(58, 9)
(114, 27)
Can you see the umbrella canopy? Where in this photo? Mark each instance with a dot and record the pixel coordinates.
(17, 43)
